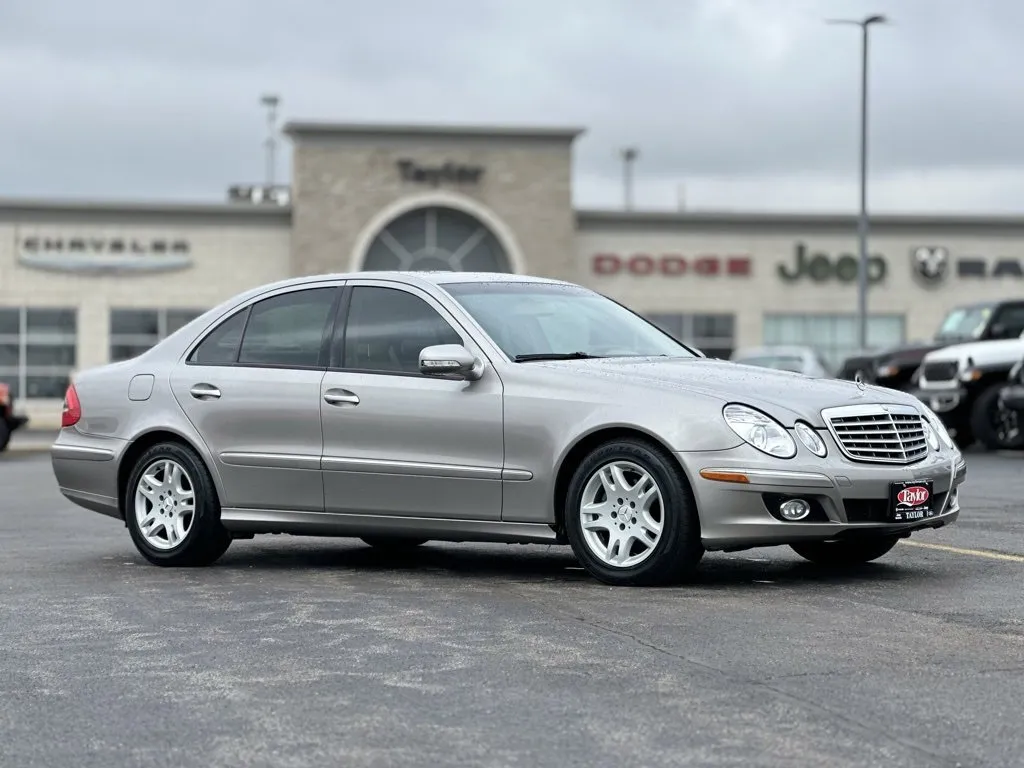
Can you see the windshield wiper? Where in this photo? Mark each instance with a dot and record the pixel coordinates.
(554, 356)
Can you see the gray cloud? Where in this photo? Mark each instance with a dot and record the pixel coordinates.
(736, 99)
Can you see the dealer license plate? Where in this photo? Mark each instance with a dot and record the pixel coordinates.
(911, 500)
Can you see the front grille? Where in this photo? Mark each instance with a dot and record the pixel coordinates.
(889, 434)
(939, 371)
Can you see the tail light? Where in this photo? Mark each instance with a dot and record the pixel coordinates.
(5, 395)
(72, 408)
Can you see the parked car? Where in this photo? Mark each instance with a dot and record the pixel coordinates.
(963, 384)
(784, 358)
(9, 422)
(895, 367)
(404, 407)
(1010, 419)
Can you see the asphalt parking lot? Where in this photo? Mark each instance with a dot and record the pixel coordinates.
(293, 652)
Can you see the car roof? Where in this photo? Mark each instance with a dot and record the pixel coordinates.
(414, 277)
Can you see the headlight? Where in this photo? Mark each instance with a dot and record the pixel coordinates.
(760, 431)
(929, 435)
(937, 426)
(887, 371)
(970, 374)
(812, 442)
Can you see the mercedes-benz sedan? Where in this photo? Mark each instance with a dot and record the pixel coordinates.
(406, 407)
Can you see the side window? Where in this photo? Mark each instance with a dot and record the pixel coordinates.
(288, 330)
(220, 347)
(1011, 320)
(388, 328)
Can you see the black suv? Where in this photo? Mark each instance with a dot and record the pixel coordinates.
(896, 367)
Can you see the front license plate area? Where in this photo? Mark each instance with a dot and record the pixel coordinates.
(911, 500)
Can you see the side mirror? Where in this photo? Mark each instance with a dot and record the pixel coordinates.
(450, 360)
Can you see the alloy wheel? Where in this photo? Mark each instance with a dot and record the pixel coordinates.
(165, 504)
(621, 514)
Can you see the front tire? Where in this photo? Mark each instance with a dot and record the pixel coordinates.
(997, 428)
(845, 553)
(172, 510)
(630, 516)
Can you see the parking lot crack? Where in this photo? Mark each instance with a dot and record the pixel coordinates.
(842, 719)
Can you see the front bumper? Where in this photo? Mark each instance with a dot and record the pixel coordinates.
(945, 401)
(16, 422)
(1012, 397)
(848, 499)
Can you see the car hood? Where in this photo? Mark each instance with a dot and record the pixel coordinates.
(982, 353)
(785, 396)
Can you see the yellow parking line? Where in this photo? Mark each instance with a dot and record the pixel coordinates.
(961, 551)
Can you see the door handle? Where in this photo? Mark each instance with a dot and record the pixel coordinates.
(340, 397)
(204, 392)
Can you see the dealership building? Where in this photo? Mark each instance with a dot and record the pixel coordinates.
(84, 283)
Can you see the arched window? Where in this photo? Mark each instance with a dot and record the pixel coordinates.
(436, 238)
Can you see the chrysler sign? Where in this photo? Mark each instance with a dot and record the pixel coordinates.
(671, 265)
(103, 254)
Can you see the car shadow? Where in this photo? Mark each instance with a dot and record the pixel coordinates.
(757, 568)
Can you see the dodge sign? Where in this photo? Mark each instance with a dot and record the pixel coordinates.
(671, 265)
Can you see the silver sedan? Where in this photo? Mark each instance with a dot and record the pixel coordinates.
(406, 407)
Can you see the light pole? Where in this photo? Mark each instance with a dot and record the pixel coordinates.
(862, 221)
(270, 101)
(629, 156)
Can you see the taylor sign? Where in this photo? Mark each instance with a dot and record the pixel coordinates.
(434, 175)
(671, 265)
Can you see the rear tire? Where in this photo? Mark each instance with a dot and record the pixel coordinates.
(5, 436)
(393, 543)
(630, 516)
(172, 510)
(845, 553)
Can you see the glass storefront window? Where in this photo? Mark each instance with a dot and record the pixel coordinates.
(37, 350)
(712, 334)
(134, 331)
(833, 337)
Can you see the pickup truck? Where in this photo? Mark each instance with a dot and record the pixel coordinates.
(8, 421)
(963, 384)
(896, 367)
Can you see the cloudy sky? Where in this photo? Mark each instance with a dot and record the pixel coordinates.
(742, 104)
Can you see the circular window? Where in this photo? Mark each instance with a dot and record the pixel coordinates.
(436, 239)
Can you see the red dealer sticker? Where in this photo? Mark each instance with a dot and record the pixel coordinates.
(914, 496)
(909, 501)
(671, 265)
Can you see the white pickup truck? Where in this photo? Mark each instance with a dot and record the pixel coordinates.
(962, 383)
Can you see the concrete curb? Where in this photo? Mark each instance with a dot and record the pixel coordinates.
(25, 450)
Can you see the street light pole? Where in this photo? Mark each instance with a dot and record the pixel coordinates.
(271, 101)
(862, 219)
(629, 155)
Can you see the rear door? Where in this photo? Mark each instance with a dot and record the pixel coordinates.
(252, 390)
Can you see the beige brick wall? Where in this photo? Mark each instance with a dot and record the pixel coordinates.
(342, 185)
(227, 259)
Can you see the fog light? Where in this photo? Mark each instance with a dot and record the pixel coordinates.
(794, 509)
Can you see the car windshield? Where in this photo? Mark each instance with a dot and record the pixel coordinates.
(779, 362)
(964, 323)
(539, 320)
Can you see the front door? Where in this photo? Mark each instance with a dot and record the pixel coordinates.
(397, 442)
(252, 390)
